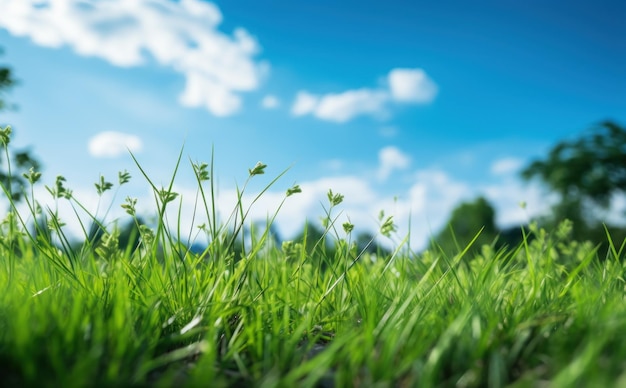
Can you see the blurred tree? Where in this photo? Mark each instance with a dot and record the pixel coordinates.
(130, 234)
(6, 83)
(127, 235)
(586, 173)
(20, 161)
(513, 236)
(466, 221)
(311, 237)
(320, 248)
(366, 242)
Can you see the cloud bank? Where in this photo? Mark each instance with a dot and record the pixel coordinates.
(410, 86)
(182, 36)
(420, 208)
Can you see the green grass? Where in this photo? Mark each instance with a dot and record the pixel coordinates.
(547, 313)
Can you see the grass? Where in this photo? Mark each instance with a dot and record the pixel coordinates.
(549, 312)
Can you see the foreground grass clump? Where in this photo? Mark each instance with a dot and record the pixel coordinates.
(547, 312)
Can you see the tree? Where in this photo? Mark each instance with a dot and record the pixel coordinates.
(584, 172)
(6, 83)
(20, 161)
(465, 223)
(311, 237)
(366, 242)
(319, 246)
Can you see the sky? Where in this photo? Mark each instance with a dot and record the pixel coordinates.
(409, 107)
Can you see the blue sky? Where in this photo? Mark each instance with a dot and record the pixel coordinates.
(402, 106)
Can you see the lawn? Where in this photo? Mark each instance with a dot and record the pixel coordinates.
(549, 312)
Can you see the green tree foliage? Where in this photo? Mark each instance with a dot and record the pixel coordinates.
(586, 173)
(16, 163)
(319, 246)
(128, 233)
(366, 242)
(465, 223)
(311, 237)
(592, 167)
(6, 83)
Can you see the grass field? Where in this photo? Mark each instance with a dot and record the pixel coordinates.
(549, 312)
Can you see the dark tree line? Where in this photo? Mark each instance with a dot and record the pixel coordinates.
(21, 161)
(585, 173)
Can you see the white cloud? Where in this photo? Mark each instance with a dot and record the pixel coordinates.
(182, 36)
(507, 197)
(388, 131)
(391, 158)
(358, 197)
(111, 144)
(340, 107)
(506, 166)
(435, 193)
(270, 102)
(333, 164)
(404, 85)
(305, 103)
(345, 106)
(412, 86)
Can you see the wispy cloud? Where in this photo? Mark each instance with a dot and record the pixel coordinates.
(403, 86)
(182, 36)
(333, 164)
(506, 166)
(270, 102)
(508, 195)
(434, 193)
(345, 106)
(110, 144)
(390, 159)
(388, 131)
(341, 107)
(304, 104)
